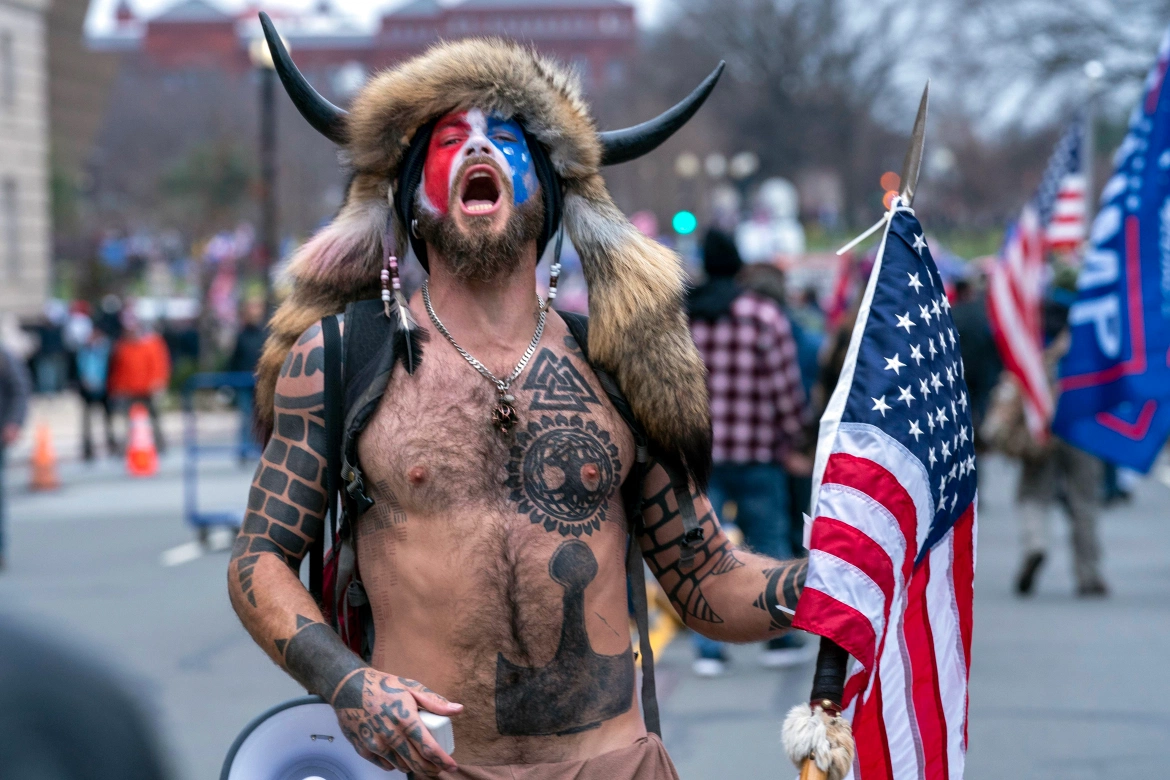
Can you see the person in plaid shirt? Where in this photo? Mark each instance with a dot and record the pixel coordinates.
(757, 418)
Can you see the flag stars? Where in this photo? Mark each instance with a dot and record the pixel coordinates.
(894, 364)
(951, 336)
(915, 431)
(905, 395)
(880, 405)
(954, 470)
(922, 388)
(954, 412)
(934, 307)
(919, 244)
(930, 421)
(963, 400)
(942, 342)
(931, 456)
(946, 452)
(946, 304)
(954, 500)
(914, 282)
(924, 313)
(950, 377)
(941, 417)
(916, 354)
(935, 382)
(930, 348)
(963, 434)
(904, 321)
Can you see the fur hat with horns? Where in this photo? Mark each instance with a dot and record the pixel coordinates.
(638, 330)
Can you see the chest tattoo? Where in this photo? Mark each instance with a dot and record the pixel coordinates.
(558, 386)
(561, 473)
(578, 688)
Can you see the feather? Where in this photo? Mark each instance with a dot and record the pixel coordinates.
(408, 336)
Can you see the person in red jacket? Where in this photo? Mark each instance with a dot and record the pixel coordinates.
(140, 368)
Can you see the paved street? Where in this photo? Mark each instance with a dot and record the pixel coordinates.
(1061, 688)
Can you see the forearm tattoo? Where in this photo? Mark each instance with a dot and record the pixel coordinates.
(660, 548)
(782, 592)
(317, 658)
(286, 504)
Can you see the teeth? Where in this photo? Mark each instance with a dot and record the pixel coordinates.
(479, 208)
(479, 175)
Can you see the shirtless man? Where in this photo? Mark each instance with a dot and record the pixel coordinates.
(493, 557)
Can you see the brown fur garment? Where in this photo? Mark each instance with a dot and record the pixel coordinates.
(638, 330)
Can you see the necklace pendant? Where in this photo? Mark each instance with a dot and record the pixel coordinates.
(504, 416)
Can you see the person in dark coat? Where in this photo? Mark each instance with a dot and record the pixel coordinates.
(15, 385)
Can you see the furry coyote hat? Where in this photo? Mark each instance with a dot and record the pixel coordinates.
(638, 329)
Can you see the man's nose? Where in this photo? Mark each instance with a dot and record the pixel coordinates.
(478, 145)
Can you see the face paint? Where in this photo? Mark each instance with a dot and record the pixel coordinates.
(462, 134)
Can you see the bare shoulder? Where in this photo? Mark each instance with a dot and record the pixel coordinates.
(302, 377)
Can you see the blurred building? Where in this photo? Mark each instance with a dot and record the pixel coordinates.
(596, 36)
(24, 157)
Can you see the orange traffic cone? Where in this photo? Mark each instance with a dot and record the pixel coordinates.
(141, 454)
(44, 461)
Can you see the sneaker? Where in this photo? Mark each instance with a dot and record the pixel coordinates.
(1026, 579)
(709, 667)
(785, 651)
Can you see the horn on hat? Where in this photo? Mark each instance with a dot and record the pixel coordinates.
(619, 146)
(326, 118)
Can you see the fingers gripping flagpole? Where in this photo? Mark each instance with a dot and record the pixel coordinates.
(817, 739)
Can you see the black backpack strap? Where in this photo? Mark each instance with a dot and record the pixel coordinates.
(578, 325)
(331, 333)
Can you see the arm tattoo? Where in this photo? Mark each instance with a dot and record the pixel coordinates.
(663, 531)
(286, 504)
(317, 658)
(779, 597)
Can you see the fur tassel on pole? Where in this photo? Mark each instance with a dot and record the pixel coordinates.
(817, 739)
(819, 743)
(408, 336)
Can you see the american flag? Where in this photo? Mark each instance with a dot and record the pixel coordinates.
(1053, 219)
(892, 543)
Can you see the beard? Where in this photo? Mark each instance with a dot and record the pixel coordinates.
(475, 252)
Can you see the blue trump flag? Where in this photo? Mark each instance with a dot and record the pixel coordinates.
(1115, 378)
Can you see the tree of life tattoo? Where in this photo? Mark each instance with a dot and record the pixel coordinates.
(561, 473)
(712, 558)
(579, 688)
(558, 386)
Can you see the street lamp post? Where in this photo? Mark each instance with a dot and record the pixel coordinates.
(1094, 72)
(262, 60)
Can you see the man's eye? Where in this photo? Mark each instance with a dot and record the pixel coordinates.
(505, 137)
(451, 142)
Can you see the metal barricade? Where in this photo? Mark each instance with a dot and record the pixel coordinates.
(243, 383)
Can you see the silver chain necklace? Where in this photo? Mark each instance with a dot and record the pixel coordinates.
(504, 415)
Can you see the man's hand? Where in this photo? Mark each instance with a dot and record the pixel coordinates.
(379, 714)
(798, 464)
(11, 433)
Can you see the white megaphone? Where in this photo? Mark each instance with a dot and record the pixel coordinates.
(301, 740)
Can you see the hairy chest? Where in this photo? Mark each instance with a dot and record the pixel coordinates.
(432, 443)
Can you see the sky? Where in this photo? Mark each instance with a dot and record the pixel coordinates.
(101, 12)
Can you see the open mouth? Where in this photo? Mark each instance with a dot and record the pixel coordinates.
(481, 191)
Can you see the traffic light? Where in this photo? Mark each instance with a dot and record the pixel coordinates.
(684, 223)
